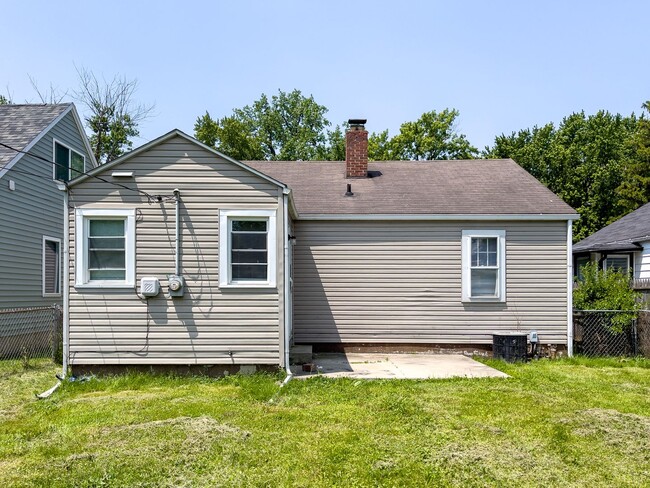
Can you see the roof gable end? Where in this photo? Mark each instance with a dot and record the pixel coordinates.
(165, 137)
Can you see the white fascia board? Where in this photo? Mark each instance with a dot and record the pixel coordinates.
(34, 141)
(486, 217)
(164, 138)
(84, 137)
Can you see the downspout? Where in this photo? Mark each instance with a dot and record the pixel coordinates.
(287, 287)
(569, 297)
(66, 293)
(66, 283)
(177, 261)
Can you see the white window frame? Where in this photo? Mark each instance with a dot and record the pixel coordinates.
(225, 245)
(54, 165)
(466, 252)
(618, 256)
(58, 241)
(82, 219)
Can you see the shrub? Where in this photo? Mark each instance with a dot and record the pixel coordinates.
(607, 290)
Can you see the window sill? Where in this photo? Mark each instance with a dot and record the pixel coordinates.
(248, 285)
(105, 285)
(483, 300)
(51, 295)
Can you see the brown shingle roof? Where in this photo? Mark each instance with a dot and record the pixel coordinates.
(492, 187)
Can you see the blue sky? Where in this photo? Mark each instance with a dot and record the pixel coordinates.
(503, 65)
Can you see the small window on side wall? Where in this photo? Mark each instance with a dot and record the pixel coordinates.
(68, 164)
(105, 248)
(247, 248)
(483, 265)
(51, 266)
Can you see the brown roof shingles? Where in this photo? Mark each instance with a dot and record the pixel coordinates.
(480, 186)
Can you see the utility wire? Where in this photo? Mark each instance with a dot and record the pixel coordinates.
(150, 198)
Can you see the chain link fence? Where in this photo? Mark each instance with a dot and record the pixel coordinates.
(598, 333)
(27, 333)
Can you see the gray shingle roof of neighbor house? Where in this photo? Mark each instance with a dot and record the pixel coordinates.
(622, 235)
(463, 187)
(20, 124)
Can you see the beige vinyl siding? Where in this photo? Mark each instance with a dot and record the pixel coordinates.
(208, 325)
(400, 282)
(33, 210)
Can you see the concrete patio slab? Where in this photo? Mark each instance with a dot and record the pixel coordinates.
(397, 366)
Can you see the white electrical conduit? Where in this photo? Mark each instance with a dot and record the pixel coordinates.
(177, 262)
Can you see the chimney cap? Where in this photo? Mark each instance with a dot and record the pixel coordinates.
(357, 122)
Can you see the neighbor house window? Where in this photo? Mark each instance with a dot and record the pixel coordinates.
(68, 163)
(580, 263)
(105, 248)
(247, 248)
(51, 266)
(483, 265)
(617, 262)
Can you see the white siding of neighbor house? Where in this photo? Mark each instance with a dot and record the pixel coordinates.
(208, 325)
(33, 210)
(400, 282)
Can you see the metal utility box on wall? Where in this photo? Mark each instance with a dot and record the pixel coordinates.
(176, 286)
(149, 286)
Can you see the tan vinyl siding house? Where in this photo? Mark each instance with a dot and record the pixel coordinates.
(209, 324)
(428, 253)
(400, 282)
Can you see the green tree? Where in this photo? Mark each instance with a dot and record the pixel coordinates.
(4, 100)
(288, 126)
(113, 116)
(583, 161)
(432, 136)
(380, 147)
(634, 191)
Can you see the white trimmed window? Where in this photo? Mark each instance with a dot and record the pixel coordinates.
(247, 248)
(105, 248)
(617, 262)
(51, 267)
(68, 163)
(483, 265)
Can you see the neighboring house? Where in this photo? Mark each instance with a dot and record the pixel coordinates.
(624, 245)
(31, 205)
(425, 254)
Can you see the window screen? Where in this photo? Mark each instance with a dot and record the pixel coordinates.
(248, 250)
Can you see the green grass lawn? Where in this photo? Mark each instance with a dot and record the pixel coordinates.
(554, 423)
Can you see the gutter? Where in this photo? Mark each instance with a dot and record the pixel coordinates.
(287, 288)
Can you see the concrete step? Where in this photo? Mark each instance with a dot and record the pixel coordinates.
(300, 354)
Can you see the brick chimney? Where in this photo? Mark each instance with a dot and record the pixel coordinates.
(356, 149)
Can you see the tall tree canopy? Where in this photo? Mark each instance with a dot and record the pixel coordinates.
(432, 136)
(586, 160)
(112, 114)
(288, 126)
